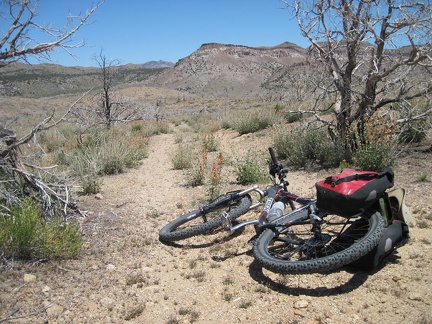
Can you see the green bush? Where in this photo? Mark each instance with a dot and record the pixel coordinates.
(90, 185)
(25, 234)
(182, 158)
(209, 142)
(413, 132)
(251, 169)
(105, 152)
(378, 146)
(374, 157)
(250, 121)
(197, 173)
(306, 145)
(113, 165)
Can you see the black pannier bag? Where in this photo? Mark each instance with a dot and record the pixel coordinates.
(351, 192)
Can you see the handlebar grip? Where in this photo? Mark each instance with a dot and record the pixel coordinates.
(273, 156)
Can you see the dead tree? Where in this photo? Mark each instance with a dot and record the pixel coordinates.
(19, 179)
(373, 54)
(17, 42)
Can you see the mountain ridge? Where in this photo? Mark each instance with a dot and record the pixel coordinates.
(214, 69)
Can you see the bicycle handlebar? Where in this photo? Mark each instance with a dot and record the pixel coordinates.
(273, 156)
(276, 168)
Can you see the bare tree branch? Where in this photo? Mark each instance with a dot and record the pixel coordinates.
(375, 53)
(20, 39)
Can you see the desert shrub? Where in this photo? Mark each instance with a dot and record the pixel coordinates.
(150, 128)
(422, 177)
(90, 185)
(209, 142)
(156, 128)
(25, 234)
(107, 152)
(306, 145)
(373, 157)
(250, 121)
(278, 108)
(54, 139)
(182, 157)
(197, 173)
(251, 169)
(413, 132)
(113, 165)
(377, 147)
(214, 189)
(136, 127)
(203, 122)
(292, 117)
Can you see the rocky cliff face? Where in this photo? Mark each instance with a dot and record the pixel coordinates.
(236, 71)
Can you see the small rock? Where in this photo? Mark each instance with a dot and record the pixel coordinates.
(29, 277)
(396, 278)
(301, 304)
(46, 289)
(385, 299)
(98, 196)
(415, 296)
(110, 267)
(91, 306)
(54, 311)
(299, 313)
(107, 302)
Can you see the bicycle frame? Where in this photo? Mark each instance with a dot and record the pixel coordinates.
(302, 240)
(270, 193)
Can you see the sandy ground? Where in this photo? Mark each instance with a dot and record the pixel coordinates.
(124, 274)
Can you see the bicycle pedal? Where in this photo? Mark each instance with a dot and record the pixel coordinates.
(226, 222)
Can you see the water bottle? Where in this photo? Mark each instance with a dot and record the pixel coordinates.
(276, 211)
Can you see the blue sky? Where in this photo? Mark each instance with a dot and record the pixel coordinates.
(138, 31)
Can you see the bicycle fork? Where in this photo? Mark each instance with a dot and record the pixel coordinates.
(225, 218)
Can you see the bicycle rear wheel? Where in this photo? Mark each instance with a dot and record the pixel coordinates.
(294, 250)
(197, 222)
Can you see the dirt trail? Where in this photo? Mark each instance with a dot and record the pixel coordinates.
(126, 275)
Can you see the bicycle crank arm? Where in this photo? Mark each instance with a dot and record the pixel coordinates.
(226, 222)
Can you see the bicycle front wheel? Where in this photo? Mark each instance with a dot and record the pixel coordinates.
(294, 250)
(197, 222)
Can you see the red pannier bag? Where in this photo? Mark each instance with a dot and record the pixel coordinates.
(352, 192)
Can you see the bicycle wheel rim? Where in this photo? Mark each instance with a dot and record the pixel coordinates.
(296, 251)
(197, 223)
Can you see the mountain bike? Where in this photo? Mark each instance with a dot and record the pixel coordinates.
(224, 209)
(302, 240)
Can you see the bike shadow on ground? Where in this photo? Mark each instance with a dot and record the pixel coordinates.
(358, 278)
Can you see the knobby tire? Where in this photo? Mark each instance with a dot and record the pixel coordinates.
(196, 222)
(292, 250)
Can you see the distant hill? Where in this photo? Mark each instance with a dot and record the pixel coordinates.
(214, 69)
(284, 71)
(158, 64)
(44, 80)
(234, 70)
